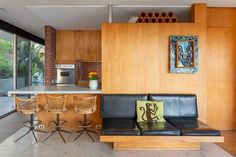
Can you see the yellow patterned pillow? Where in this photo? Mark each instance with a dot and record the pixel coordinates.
(150, 111)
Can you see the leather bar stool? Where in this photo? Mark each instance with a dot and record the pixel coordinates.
(85, 106)
(29, 107)
(56, 105)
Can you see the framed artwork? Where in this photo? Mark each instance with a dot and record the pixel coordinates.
(183, 54)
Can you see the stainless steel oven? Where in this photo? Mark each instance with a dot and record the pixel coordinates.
(65, 73)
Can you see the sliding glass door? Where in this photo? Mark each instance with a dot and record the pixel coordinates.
(23, 69)
(6, 71)
(30, 63)
(37, 64)
(21, 65)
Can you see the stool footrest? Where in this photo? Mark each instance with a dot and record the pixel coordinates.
(29, 125)
(55, 125)
(83, 125)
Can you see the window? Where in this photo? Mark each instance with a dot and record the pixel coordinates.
(30, 62)
(29, 69)
(6, 71)
(37, 63)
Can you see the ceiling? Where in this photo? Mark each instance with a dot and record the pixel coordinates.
(32, 15)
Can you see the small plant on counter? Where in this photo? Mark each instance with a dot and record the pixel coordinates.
(93, 76)
(93, 80)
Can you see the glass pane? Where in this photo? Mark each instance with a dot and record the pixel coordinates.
(6, 72)
(37, 63)
(23, 73)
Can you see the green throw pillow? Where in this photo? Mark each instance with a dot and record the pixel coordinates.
(150, 111)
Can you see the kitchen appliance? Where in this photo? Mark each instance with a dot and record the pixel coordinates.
(65, 74)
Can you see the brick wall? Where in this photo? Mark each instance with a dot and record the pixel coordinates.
(85, 67)
(50, 54)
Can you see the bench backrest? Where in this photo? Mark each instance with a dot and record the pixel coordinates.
(177, 105)
(120, 105)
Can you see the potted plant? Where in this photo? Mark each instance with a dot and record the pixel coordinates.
(93, 80)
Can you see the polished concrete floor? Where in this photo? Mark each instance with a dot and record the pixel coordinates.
(6, 105)
(11, 124)
(84, 147)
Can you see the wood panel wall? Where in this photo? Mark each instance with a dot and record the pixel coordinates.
(221, 17)
(221, 68)
(127, 55)
(135, 59)
(221, 78)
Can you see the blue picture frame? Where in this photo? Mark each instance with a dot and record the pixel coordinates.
(184, 54)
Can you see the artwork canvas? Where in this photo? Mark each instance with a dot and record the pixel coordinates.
(183, 54)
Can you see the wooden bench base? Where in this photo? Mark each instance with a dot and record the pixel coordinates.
(156, 146)
(159, 142)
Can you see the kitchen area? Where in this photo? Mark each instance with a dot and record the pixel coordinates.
(82, 51)
(77, 55)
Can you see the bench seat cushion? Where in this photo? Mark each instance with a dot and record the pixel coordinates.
(119, 126)
(160, 129)
(193, 127)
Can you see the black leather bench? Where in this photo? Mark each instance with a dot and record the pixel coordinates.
(180, 111)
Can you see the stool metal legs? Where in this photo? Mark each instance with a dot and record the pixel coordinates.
(58, 129)
(31, 127)
(85, 125)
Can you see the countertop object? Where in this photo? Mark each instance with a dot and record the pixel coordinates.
(54, 90)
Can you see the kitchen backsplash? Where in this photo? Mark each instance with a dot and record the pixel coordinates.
(85, 67)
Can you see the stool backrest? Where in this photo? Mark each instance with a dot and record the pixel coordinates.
(25, 105)
(55, 103)
(85, 104)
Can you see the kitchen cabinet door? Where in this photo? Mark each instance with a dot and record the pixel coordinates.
(65, 46)
(88, 45)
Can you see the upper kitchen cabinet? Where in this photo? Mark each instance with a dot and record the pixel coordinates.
(88, 45)
(65, 46)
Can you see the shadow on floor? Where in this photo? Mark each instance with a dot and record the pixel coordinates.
(10, 124)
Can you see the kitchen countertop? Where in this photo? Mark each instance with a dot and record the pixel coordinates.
(55, 90)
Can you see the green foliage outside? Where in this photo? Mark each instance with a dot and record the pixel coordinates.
(6, 54)
(30, 56)
(25, 51)
(37, 58)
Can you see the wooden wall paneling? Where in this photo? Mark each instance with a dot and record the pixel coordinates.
(214, 84)
(135, 59)
(183, 83)
(65, 46)
(130, 61)
(221, 17)
(221, 78)
(199, 13)
(88, 45)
